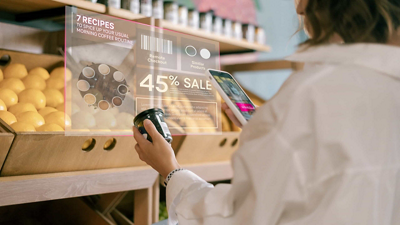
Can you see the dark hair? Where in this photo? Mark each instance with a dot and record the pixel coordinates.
(353, 20)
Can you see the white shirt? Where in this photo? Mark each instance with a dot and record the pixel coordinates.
(324, 150)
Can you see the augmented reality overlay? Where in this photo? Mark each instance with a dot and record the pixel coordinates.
(120, 68)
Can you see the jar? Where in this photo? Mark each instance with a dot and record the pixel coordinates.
(249, 32)
(156, 116)
(171, 11)
(206, 21)
(227, 27)
(133, 6)
(260, 35)
(194, 19)
(114, 3)
(217, 24)
(158, 9)
(183, 15)
(237, 30)
(146, 8)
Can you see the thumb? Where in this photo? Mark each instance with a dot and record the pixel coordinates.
(151, 129)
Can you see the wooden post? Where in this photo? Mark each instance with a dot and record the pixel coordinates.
(156, 200)
(142, 214)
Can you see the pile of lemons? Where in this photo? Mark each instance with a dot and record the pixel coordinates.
(34, 100)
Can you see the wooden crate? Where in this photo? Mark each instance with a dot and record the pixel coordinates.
(208, 148)
(51, 152)
(6, 139)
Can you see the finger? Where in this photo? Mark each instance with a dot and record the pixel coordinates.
(139, 152)
(152, 130)
(233, 118)
(224, 106)
(139, 137)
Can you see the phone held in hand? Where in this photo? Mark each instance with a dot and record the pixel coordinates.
(234, 96)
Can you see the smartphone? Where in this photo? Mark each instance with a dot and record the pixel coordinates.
(233, 94)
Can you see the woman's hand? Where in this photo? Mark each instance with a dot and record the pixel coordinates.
(158, 154)
(230, 114)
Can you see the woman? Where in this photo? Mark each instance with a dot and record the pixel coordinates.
(326, 148)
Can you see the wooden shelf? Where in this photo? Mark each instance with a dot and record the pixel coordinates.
(227, 45)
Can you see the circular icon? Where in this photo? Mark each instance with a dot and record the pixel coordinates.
(122, 89)
(104, 69)
(88, 72)
(83, 85)
(89, 99)
(118, 76)
(117, 101)
(205, 54)
(191, 51)
(104, 105)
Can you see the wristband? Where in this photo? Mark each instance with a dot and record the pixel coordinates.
(170, 175)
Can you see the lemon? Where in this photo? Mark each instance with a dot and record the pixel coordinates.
(22, 127)
(59, 118)
(50, 127)
(3, 106)
(59, 73)
(83, 120)
(46, 110)
(14, 84)
(8, 96)
(34, 96)
(60, 107)
(33, 118)
(105, 120)
(15, 70)
(7, 117)
(22, 107)
(55, 83)
(35, 82)
(53, 97)
(42, 72)
(1, 75)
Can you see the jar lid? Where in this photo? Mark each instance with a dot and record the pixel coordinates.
(144, 113)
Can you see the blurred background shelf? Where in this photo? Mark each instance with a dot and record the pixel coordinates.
(49, 15)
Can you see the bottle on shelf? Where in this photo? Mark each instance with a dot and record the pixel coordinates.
(260, 35)
(237, 30)
(131, 5)
(171, 13)
(206, 21)
(194, 18)
(249, 32)
(217, 24)
(183, 15)
(146, 8)
(227, 27)
(114, 3)
(158, 9)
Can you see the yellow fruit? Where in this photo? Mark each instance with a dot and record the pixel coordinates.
(35, 82)
(55, 83)
(53, 97)
(3, 106)
(59, 73)
(60, 108)
(42, 72)
(8, 96)
(59, 118)
(14, 84)
(15, 70)
(1, 75)
(22, 127)
(34, 96)
(83, 120)
(47, 110)
(33, 118)
(22, 107)
(7, 117)
(50, 127)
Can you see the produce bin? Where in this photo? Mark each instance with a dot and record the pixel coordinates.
(6, 139)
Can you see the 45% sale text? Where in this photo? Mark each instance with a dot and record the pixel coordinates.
(162, 83)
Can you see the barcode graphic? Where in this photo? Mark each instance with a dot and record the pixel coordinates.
(155, 44)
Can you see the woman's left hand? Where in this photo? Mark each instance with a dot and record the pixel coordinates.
(158, 154)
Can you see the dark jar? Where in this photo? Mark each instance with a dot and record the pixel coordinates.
(156, 116)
